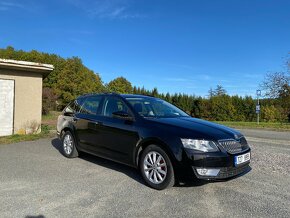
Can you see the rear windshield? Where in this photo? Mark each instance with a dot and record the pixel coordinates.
(154, 107)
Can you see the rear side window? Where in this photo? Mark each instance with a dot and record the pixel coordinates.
(91, 105)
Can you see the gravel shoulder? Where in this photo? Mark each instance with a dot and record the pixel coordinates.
(36, 180)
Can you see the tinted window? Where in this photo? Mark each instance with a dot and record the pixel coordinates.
(113, 104)
(91, 105)
(154, 107)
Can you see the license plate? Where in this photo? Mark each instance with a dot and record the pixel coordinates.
(242, 158)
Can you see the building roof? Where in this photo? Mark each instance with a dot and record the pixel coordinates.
(44, 69)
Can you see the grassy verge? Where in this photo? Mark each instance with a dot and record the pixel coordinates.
(50, 117)
(30, 137)
(47, 127)
(254, 125)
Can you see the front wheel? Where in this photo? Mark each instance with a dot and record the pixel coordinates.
(156, 168)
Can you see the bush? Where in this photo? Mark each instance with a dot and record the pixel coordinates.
(270, 114)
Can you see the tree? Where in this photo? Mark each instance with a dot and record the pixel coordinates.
(219, 91)
(284, 95)
(154, 92)
(274, 83)
(211, 93)
(277, 86)
(75, 79)
(120, 85)
(49, 100)
(270, 113)
(222, 108)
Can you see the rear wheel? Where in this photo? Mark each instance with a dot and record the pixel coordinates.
(68, 145)
(156, 168)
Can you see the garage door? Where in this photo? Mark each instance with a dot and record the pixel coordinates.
(6, 106)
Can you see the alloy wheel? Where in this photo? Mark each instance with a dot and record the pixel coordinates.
(68, 144)
(155, 167)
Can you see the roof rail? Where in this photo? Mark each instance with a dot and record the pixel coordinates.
(100, 93)
(149, 95)
(112, 93)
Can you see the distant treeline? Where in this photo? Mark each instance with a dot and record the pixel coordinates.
(222, 107)
(71, 78)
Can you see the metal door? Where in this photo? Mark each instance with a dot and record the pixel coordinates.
(6, 107)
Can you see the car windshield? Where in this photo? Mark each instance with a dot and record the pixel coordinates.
(154, 107)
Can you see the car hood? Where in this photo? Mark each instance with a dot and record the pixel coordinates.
(197, 128)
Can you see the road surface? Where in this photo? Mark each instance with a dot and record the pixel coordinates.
(37, 181)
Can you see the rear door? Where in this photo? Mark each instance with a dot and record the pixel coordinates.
(7, 107)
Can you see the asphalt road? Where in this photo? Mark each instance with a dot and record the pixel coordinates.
(37, 181)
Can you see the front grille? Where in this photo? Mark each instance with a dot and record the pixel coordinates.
(234, 146)
(228, 172)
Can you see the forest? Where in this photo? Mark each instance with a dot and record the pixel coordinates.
(72, 78)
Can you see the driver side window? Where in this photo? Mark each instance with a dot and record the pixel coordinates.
(113, 104)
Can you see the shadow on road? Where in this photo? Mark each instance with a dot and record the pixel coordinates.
(38, 216)
(185, 181)
(127, 170)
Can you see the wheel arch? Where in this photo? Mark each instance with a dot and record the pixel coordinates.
(65, 129)
(152, 141)
(72, 131)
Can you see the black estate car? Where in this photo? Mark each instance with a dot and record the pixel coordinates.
(150, 134)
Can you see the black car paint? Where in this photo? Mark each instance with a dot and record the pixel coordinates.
(122, 140)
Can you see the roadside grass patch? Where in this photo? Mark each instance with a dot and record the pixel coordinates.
(45, 132)
(253, 125)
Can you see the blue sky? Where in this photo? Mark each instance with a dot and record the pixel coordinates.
(183, 46)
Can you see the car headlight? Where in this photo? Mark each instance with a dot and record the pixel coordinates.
(200, 145)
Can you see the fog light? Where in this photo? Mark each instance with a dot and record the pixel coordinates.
(207, 172)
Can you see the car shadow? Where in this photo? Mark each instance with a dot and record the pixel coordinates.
(183, 181)
(127, 170)
(37, 216)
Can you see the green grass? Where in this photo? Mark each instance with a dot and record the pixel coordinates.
(45, 132)
(52, 115)
(254, 125)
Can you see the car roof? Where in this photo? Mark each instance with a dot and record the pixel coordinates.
(116, 94)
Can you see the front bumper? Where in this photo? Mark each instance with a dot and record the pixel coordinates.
(224, 172)
(216, 165)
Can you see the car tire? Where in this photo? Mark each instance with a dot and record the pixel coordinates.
(68, 145)
(156, 168)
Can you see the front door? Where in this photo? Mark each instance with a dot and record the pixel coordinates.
(7, 107)
(118, 136)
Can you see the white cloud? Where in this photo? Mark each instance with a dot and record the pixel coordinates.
(204, 77)
(5, 5)
(110, 9)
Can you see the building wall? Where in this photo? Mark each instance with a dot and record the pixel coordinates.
(28, 99)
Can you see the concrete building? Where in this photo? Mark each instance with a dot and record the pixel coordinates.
(21, 96)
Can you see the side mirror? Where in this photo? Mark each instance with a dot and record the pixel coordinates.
(122, 115)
